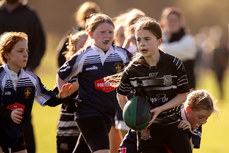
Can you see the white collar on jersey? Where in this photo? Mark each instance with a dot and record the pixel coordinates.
(102, 54)
(100, 50)
(183, 116)
(13, 75)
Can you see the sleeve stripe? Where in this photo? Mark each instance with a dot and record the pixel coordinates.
(182, 84)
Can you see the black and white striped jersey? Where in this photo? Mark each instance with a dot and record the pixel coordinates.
(159, 84)
(67, 128)
(67, 125)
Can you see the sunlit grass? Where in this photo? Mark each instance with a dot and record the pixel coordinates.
(45, 118)
(215, 132)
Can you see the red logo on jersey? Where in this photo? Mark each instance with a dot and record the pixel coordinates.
(122, 150)
(167, 149)
(17, 105)
(105, 85)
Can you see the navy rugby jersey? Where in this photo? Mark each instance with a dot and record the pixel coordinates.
(19, 91)
(98, 97)
(158, 84)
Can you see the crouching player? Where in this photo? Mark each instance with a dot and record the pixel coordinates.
(198, 107)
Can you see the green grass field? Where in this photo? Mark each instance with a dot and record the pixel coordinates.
(215, 132)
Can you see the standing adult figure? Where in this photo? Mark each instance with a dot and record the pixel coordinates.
(178, 42)
(16, 15)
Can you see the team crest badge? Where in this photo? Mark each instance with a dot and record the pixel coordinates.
(27, 92)
(167, 80)
(145, 134)
(118, 66)
(64, 146)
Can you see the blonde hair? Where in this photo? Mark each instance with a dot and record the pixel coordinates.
(132, 15)
(80, 14)
(200, 99)
(73, 39)
(7, 42)
(128, 18)
(117, 31)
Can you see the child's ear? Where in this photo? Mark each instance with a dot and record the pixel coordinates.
(159, 42)
(6, 55)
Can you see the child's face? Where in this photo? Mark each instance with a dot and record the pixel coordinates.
(197, 117)
(17, 58)
(147, 43)
(173, 23)
(103, 36)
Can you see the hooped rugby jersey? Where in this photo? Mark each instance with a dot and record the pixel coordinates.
(92, 66)
(67, 127)
(159, 84)
(19, 91)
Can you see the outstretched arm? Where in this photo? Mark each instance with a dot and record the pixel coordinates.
(66, 89)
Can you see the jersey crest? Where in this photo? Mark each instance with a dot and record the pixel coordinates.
(167, 80)
(145, 134)
(27, 92)
(64, 146)
(118, 66)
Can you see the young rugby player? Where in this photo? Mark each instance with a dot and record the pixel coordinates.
(18, 89)
(160, 78)
(67, 131)
(198, 107)
(98, 105)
